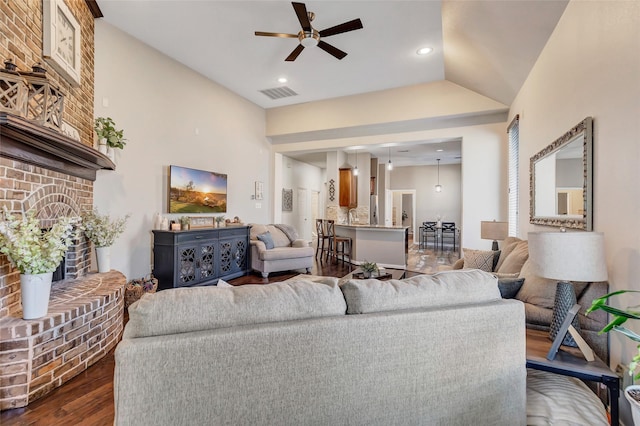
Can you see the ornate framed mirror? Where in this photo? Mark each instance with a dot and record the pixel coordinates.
(561, 180)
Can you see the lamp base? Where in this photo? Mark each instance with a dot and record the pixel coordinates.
(494, 246)
(564, 300)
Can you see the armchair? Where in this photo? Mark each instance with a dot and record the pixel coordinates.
(276, 248)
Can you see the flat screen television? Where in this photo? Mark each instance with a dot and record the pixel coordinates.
(196, 191)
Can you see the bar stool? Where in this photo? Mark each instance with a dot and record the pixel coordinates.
(322, 238)
(342, 247)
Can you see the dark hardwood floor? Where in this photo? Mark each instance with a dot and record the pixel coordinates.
(87, 399)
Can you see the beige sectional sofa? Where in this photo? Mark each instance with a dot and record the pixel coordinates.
(287, 252)
(438, 350)
(538, 294)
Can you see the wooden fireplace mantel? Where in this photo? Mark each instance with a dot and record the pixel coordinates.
(23, 140)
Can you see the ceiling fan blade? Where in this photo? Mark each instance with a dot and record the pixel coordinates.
(303, 16)
(356, 24)
(331, 50)
(262, 33)
(293, 55)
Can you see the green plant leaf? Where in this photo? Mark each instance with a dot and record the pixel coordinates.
(630, 334)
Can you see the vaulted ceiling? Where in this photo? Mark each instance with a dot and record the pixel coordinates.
(487, 46)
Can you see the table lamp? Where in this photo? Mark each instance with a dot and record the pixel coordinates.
(567, 256)
(494, 231)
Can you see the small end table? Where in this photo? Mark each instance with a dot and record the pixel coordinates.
(570, 362)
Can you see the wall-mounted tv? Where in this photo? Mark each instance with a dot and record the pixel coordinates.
(196, 191)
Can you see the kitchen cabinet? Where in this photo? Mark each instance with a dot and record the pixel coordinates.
(348, 196)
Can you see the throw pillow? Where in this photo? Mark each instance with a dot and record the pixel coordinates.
(536, 290)
(509, 287)
(513, 261)
(478, 259)
(267, 240)
(507, 247)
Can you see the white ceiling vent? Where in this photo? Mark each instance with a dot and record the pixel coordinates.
(279, 92)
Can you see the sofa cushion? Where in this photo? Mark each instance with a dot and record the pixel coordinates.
(447, 288)
(281, 253)
(514, 260)
(257, 229)
(542, 291)
(267, 240)
(280, 239)
(536, 290)
(204, 308)
(478, 259)
(509, 287)
(508, 245)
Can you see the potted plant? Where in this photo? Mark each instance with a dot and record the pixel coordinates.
(102, 232)
(619, 317)
(109, 137)
(185, 222)
(36, 254)
(368, 268)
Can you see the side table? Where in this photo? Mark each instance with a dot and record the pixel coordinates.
(570, 362)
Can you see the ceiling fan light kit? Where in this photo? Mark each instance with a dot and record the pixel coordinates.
(310, 37)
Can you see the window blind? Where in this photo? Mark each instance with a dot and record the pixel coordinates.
(514, 147)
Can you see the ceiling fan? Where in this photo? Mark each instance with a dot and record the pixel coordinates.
(309, 36)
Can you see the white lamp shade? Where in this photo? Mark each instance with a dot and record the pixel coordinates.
(568, 256)
(494, 230)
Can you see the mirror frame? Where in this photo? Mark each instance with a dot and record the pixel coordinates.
(586, 222)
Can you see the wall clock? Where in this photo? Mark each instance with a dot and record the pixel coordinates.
(61, 39)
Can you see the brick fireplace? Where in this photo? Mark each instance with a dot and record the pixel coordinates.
(44, 171)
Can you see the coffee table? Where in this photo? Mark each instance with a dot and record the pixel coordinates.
(570, 362)
(396, 274)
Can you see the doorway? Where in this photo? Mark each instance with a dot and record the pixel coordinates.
(403, 210)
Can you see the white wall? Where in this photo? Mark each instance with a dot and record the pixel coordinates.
(170, 115)
(429, 203)
(591, 67)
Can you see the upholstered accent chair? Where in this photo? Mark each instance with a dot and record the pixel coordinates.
(277, 247)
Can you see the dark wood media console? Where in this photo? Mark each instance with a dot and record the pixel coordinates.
(200, 257)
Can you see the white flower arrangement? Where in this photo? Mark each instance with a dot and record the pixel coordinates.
(100, 229)
(30, 249)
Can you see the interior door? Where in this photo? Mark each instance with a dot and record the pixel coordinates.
(315, 210)
(304, 224)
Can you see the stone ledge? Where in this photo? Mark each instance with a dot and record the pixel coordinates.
(84, 322)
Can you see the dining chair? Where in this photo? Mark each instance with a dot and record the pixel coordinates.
(448, 231)
(429, 230)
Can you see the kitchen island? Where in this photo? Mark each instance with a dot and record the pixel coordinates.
(387, 246)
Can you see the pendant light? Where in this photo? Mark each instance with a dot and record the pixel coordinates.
(389, 165)
(438, 186)
(355, 170)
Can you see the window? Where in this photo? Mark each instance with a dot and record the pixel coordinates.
(514, 143)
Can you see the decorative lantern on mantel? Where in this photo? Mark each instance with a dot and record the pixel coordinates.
(45, 103)
(13, 90)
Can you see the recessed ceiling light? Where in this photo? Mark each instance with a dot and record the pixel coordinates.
(424, 51)
(439, 150)
(282, 80)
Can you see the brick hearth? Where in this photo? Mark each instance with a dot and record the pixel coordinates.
(84, 322)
